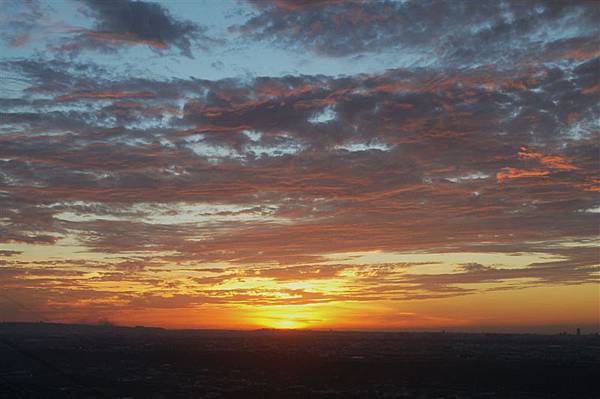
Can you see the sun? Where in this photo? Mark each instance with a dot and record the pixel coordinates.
(284, 317)
(285, 324)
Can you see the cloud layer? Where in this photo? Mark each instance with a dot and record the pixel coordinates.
(447, 32)
(128, 191)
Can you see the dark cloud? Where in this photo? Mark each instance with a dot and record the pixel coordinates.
(475, 149)
(473, 267)
(10, 253)
(120, 23)
(455, 32)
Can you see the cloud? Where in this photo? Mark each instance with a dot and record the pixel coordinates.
(454, 32)
(126, 140)
(8, 253)
(473, 267)
(513, 173)
(120, 23)
(549, 163)
(105, 94)
(187, 192)
(24, 22)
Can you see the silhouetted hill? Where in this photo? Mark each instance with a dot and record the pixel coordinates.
(60, 328)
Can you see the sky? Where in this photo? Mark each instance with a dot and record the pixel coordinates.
(327, 164)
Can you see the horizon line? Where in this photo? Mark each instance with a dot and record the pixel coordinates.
(572, 331)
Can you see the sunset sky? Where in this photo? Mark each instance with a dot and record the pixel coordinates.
(329, 164)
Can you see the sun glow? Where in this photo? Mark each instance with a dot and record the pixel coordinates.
(287, 316)
(285, 324)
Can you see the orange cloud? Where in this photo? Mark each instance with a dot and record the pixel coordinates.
(550, 161)
(129, 38)
(514, 173)
(592, 184)
(591, 89)
(105, 95)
